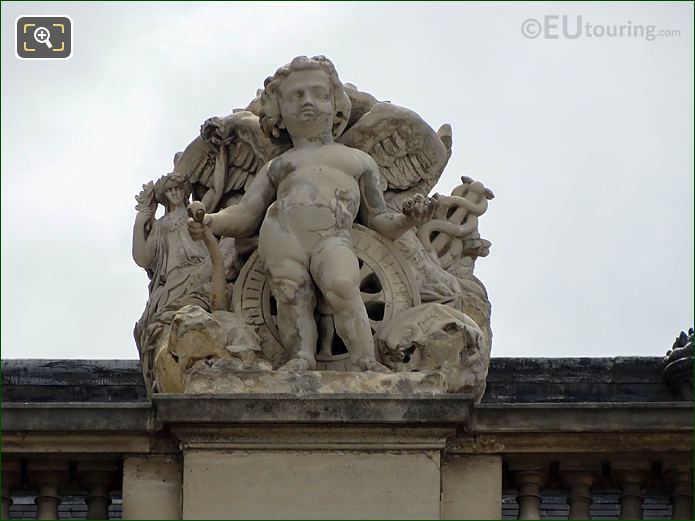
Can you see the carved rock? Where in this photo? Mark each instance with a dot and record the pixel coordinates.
(437, 337)
(197, 335)
(678, 365)
(219, 377)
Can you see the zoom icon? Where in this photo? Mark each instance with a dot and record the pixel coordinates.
(44, 37)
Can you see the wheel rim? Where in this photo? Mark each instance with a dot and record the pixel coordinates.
(387, 287)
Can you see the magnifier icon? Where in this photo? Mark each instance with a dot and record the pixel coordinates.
(43, 35)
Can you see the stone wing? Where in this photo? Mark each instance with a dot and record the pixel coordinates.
(410, 154)
(222, 162)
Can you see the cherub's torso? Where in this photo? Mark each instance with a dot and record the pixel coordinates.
(317, 190)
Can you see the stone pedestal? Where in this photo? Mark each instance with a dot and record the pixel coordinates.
(152, 487)
(322, 456)
(472, 487)
(311, 484)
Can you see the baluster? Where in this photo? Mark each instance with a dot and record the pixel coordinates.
(47, 477)
(98, 478)
(11, 475)
(631, 477)
(680, 480)
(579, 478)
(529, 478)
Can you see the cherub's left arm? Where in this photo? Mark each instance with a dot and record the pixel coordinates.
(374, 213)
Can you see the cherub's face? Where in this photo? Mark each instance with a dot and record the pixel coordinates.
(306, 103)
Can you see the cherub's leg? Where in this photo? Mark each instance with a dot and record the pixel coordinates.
(335, 270)
(327, 330)
(294, 294)
(286, 264)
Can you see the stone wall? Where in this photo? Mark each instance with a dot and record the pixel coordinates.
(550, 436)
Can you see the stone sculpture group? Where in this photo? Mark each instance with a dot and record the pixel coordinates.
(311, 258)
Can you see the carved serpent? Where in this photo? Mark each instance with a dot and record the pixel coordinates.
(471, 201)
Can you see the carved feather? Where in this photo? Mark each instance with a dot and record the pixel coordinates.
(248, 149)
(409, 153)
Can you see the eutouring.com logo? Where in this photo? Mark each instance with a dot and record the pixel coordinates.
(555, 27)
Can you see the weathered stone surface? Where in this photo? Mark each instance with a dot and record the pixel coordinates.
(510, 380)
(678, 365)
(219, 377)
(311, 485)
(437, 337)
(387, 286)
(40, 380)
(582, 417)
(624, 439)
(179, 268)
(322, 292)
(112, 416)
(316, 409)
(457, 217)
(196, 339)
(304, 238)
(152, 487)
(472, 487)
(568, 380)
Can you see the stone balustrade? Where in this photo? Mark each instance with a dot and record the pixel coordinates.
(538, 483)
(535, 483)
(611, 441)
(47, 480)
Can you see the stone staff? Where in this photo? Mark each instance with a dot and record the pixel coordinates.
(218, 294)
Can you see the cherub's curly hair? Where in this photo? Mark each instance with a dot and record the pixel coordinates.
(270, 118)
(167, 182)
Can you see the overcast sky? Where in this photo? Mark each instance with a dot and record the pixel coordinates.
(586, 142)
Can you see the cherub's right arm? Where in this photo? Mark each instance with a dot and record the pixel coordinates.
(244, 219)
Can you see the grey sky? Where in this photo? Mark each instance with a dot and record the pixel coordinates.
(587, 144)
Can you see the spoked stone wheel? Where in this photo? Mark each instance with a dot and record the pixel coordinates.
(387, 285)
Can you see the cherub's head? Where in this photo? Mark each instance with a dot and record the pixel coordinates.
(304, 98)
(172, 190)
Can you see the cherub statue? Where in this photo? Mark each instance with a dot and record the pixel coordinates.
(305, 202)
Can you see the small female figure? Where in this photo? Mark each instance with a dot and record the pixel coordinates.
(179, 267)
